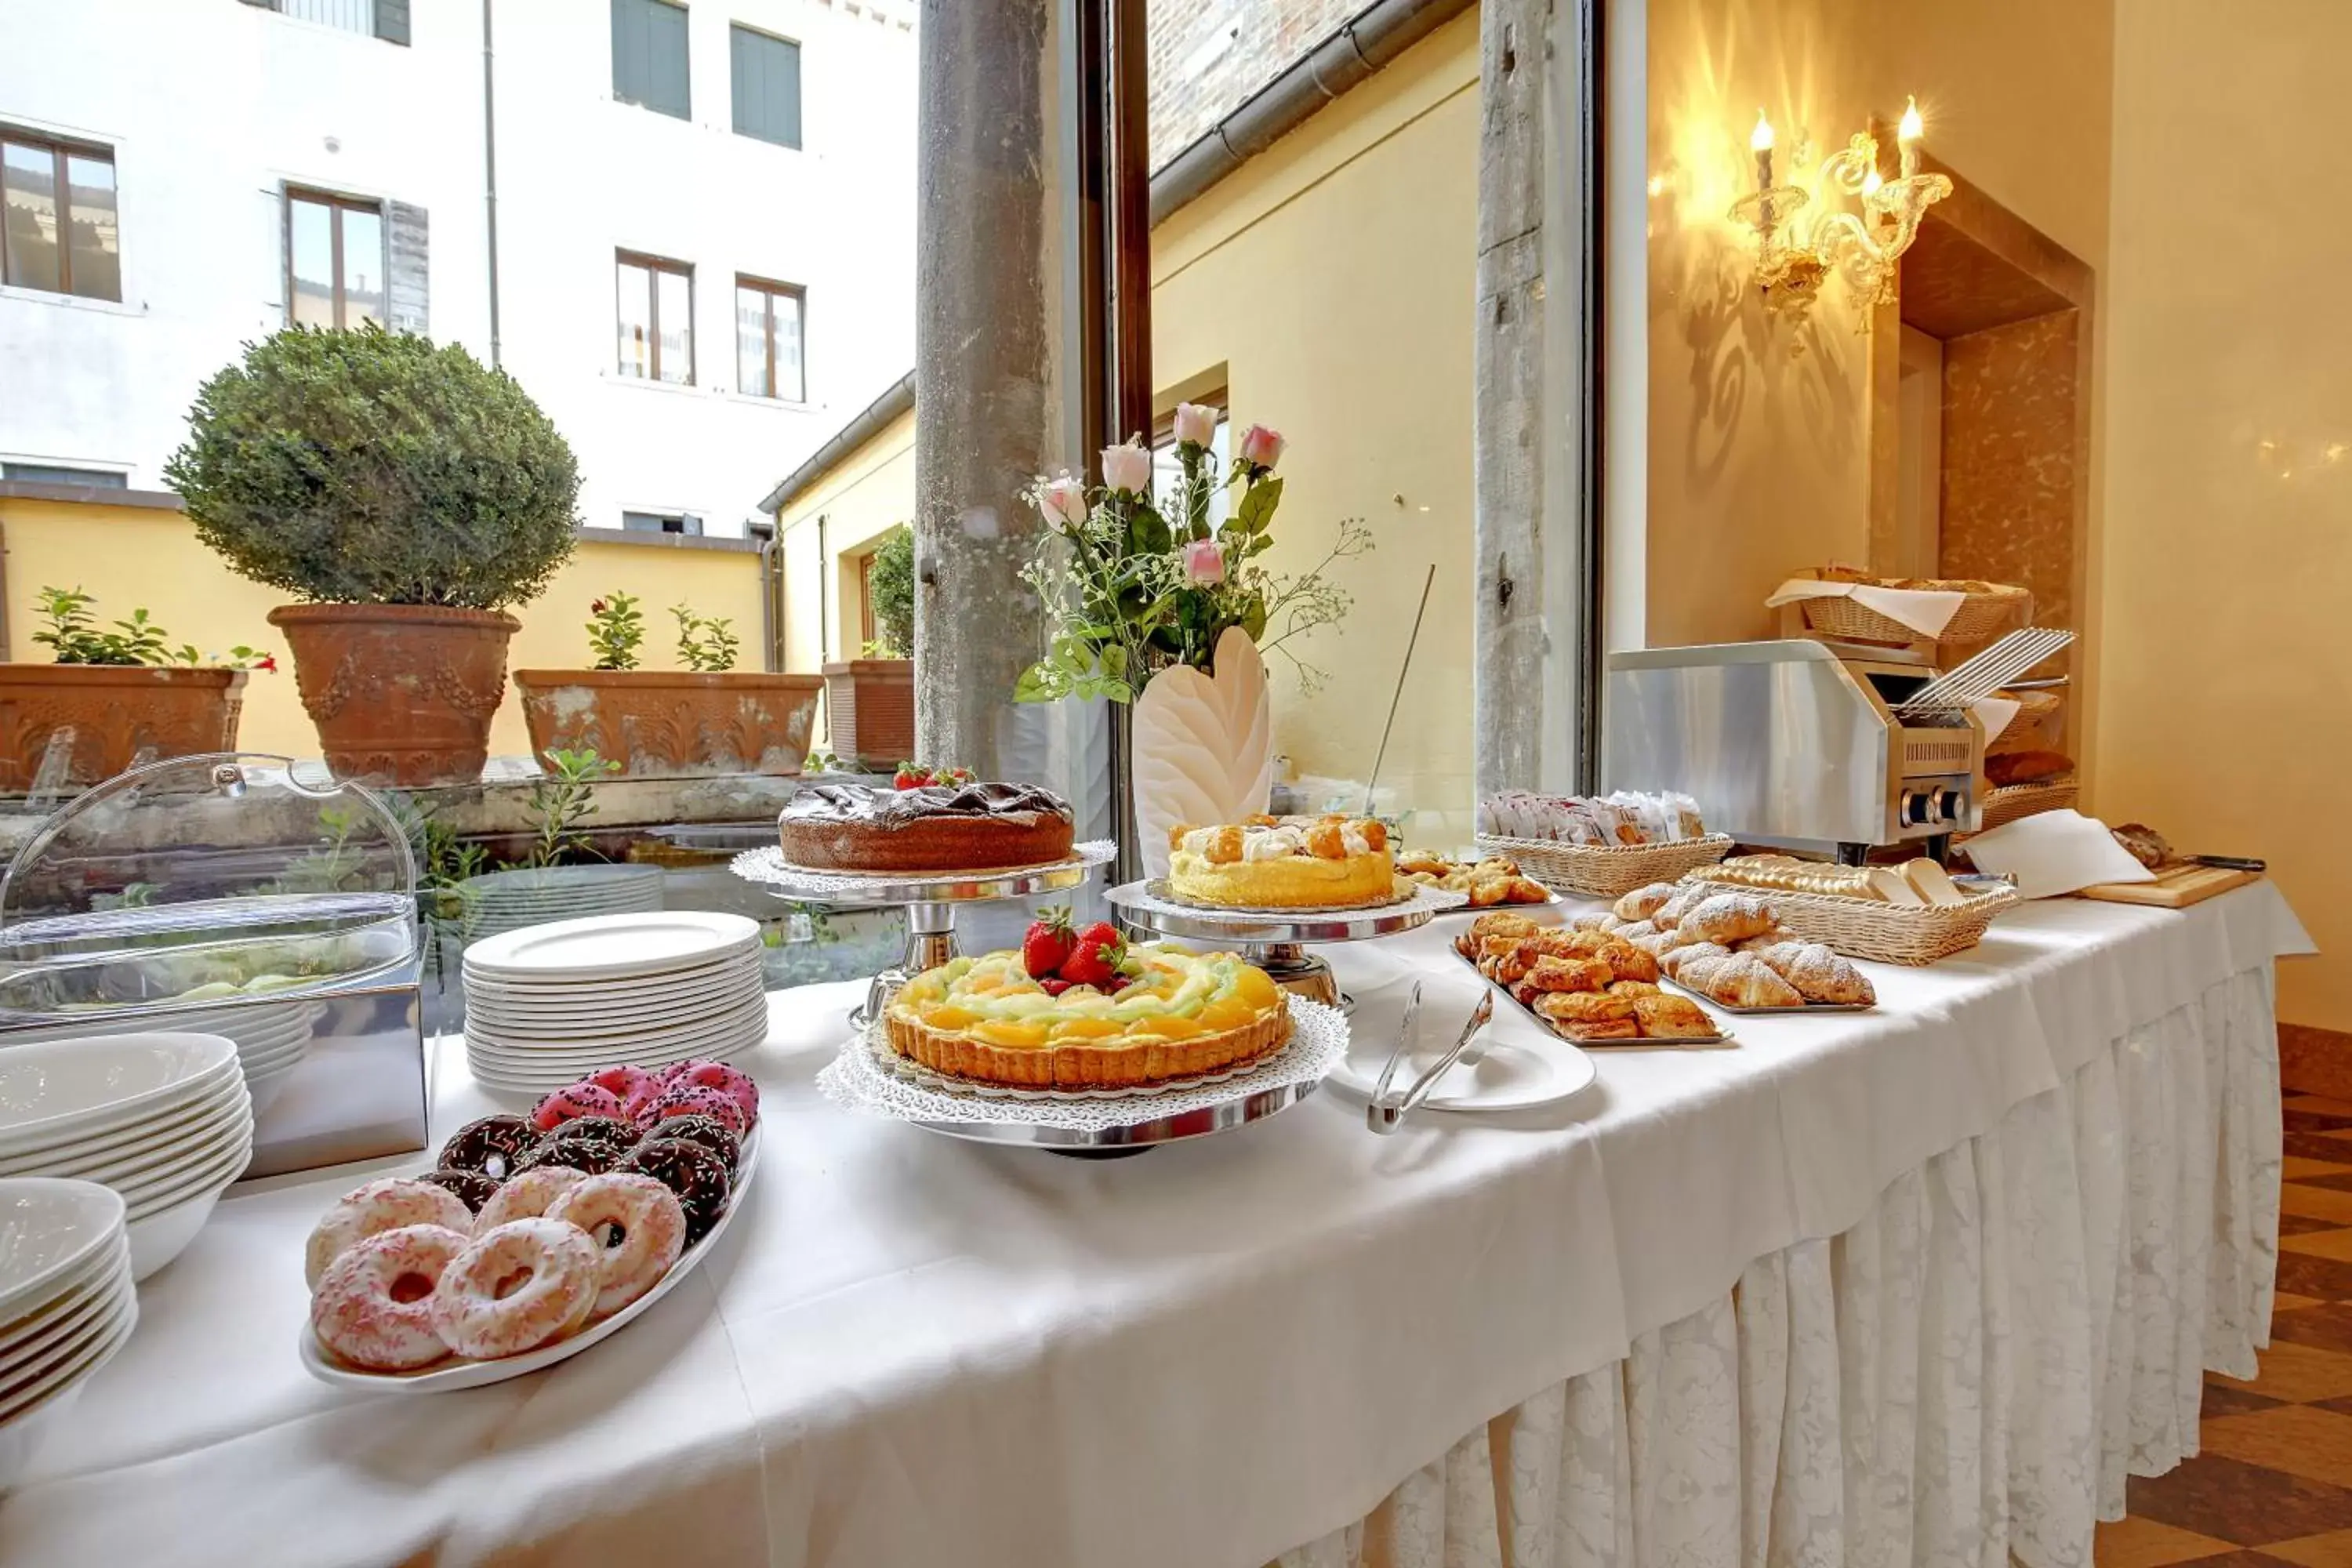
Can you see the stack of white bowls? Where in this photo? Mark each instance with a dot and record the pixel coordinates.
(65, 1303)
(550, 1005)
(510, 901)
(163, 1120)
(271, 1037)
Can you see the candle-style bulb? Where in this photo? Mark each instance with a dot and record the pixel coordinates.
(1870, 183)
(1913, 127)
(1760, 138)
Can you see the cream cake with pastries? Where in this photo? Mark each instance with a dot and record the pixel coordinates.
(1283, 863)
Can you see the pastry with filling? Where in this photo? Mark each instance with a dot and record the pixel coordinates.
(1287, 863)
(932, 828)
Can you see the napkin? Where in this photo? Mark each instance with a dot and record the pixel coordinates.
(1927, 611)
(2054, 852)
(1995, 713)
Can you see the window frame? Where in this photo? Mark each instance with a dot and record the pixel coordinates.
(800, 101)
(337, 203)
(769, 289)
(685, 110)
(654, 265)
(59, 149)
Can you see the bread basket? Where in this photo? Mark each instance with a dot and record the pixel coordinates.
(1911, 934)
(2010, 802)
(1980, 616)
(1605, 870)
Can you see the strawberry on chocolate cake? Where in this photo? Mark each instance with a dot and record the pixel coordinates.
(951, 826)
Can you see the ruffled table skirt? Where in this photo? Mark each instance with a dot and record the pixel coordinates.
(1972, 1370)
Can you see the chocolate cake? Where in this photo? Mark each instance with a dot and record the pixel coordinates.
(934, 827)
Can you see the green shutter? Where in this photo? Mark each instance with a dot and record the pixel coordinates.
(392, 21)
(649, 56)
(767, 83)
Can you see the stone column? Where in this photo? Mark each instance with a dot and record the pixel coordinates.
(989, 379)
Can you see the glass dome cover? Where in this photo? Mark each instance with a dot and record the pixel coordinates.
(201, 882)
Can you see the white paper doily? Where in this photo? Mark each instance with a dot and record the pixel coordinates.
(1423, 900)
(768, 865)
(858, 1081)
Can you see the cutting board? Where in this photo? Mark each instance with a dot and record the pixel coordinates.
(2177, 886)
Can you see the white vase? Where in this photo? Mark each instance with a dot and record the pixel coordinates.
(1202, 749)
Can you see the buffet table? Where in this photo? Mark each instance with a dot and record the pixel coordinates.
(1866, 1288)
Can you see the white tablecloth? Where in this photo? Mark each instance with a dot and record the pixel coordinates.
(914, 1351)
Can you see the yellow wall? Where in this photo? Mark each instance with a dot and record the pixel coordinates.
(1758, 457)
(134, 556)
(866, 496)
(2227, 561)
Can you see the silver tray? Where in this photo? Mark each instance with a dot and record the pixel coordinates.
(1149, 905)
(1699, 996)
(767, 867)
(1721, 1037)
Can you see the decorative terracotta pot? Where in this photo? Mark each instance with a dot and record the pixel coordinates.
(402, 694)
(870, 706)
(673, 723)
(118, 715)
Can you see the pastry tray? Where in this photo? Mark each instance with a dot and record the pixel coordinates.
(1148, 904)
(1669, 983)
(1660, 1043)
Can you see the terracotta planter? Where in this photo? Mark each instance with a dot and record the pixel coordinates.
(673, 723)
(402, 694)
(119, 715)
(870, 706)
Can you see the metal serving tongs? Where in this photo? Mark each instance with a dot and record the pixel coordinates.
(1382, 1117)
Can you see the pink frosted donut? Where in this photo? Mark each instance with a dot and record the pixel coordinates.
(621, 1081)
(735, 1085)
(572, 1102)
(374, 1306)
(695, 1099)
(386, 1205)
(638, 1103)
(637, 1223)
(516, 1287)
(527, 1196)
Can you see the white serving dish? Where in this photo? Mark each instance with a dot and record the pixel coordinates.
(611, 947)
(47, 1227)
(164, 1234)
(98, 1149)
(454, 1373)
(110, 1335)
(1511, 1075)
(56, 1090)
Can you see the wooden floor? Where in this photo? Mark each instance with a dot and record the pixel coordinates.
(2273, 1483)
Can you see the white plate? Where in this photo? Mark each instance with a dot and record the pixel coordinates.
(1510, 1077)
(573, 992)
(166, 1233)
(59, 1089)
(151, 1198)
(119, 1141)
(622, 1030)
(198, 1147)
(86, 1360)
(613, 1048)
(75, 1319)
(502, 1079)
(82, 1281)
(449, 1375)
(612, 947)
(737, 992)
(47, 1227)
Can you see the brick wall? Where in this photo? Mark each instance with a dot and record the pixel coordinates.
(1207, 56)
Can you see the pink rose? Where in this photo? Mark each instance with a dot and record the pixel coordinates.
(1205, 561)
(1262, 447)
(1126, 467)
(1062, 500)
(1195, 425)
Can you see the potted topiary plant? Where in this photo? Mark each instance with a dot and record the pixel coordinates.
(869, 700)
(115, 699)
(407, 494)
(707, 718)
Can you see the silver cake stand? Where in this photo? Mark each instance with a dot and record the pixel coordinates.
(928, 899)
(1276, 940)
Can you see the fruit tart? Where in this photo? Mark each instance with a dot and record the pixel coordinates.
(1102, 1014)
(1283, 863)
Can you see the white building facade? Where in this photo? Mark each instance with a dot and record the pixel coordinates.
(704, 231)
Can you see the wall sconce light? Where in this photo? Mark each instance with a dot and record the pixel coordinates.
(1794, 258)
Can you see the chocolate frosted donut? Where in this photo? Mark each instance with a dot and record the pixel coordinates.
(472, 1187)
(590, 1156)
(610, 1129)
(707, 1130)
(695, 1174)
(491, 1145)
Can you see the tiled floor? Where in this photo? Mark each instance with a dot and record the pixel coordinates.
(2273, 1487)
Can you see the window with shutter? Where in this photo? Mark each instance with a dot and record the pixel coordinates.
(767, 86)
(649, 56)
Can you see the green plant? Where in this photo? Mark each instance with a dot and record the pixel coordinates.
(890, 585)
(821, 762)
(563, 798)
(616, 628)
(375, 468)
(76, 639)
(706, 644)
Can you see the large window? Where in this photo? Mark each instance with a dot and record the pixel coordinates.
(657, 319)
(649, 56)
(385, 19)
(335, 261)
(768, 318)
(61, 233)
(767, 83)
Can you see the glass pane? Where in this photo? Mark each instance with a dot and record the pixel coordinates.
(29, 176)
(676, 318)
(635, 321)
(752, 343)
(789, 382)
(96, 265)
(364, 293)
(310, 239)
(1166, 473)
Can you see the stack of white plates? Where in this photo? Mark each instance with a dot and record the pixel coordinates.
(510, 901)
(550, 1005)
(271, 1037)
(65, 1303)
(163, 1120)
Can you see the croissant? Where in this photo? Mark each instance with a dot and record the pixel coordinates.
(1641, 902)
(1636, 930)
(1656, 943)
(1627, 962)
(1668, 915)
(1663, 1017)
(1699, 973)
(1590, 920)
(1820, 975)
(1739, 979)
(1674, 959)
(1727, 918)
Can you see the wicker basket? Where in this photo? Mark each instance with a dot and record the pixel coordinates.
(2010, 802)
(1605, 870)
(2039, 726)
(1980, 616)
(1891, 934)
